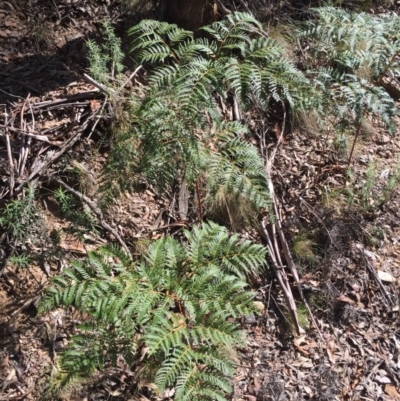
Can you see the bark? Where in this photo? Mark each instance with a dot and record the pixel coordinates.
(188, 14)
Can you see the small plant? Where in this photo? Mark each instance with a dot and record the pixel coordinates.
(352, 54)
(303, 248)
(391, 184)
(21, 261)
(106, 59)
(177, 130)
(376, 234)
(340, 144)
(65, 200)
(82, 220)
(173, 312)
(20, 218)
(303, 315)
(365, 192)
(352, 41)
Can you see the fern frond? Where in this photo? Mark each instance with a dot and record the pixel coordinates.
(352, 40)
(178, 303)
(155, 41)
(236, 167)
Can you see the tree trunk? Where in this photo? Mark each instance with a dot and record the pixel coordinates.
(188, 14)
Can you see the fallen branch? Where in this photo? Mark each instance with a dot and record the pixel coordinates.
(130, 77)
(274, 250)
(16, 397)
(27, 144)
(99, 86)
(27, 133)
(9, 153)
(52, 156)
(374, 274)
(79, 96)
(282, 280)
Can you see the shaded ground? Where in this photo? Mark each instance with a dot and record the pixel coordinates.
(349, 256)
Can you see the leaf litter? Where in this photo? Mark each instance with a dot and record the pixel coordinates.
(353, 288)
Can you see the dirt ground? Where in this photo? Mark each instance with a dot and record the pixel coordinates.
(349, 265)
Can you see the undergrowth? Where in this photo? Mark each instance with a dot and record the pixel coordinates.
(81, 220)
(173, 312)
(20, 218)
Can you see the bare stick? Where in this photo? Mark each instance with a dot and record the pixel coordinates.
(283, 281)
(23, 138)
(293, 269)
(98, 117)
(97, 211)
(372, 270)
(130, 77)
(354, 143)
(223, 9)
(28, 143)
(237, 115)
(277, 228)
(199, 201)
(312, 210)
(99, 86)
(9, 153)
(27, 133)
(79, 96)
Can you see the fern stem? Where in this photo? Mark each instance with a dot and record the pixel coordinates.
(354, 143)
(199, 200)
(322, 156)
(392, 59)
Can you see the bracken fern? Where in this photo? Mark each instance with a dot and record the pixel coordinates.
(177, 129)
(176, 306)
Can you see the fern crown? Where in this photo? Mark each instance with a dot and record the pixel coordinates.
(175, 304)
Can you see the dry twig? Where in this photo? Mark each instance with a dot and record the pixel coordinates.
(274, 249)
(10, 158)
(97, 211)
(383, 289)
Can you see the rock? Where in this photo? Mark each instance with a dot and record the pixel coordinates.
(384, 139)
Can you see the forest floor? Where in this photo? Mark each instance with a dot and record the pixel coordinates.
(346, 241)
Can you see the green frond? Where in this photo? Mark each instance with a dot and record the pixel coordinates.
(178, 302)
(236, 168)
(352, 40)
(177, 363)
(155, 41)
(233, 29)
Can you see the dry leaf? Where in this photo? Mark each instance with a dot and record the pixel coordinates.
(257, 384)
(392, 391)
(387, 277)
(4, 362)
(308, 390)
(72, 244)
(297, 343)
(382, 379)
(94, 104)
(330, 348)
(343, 298)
